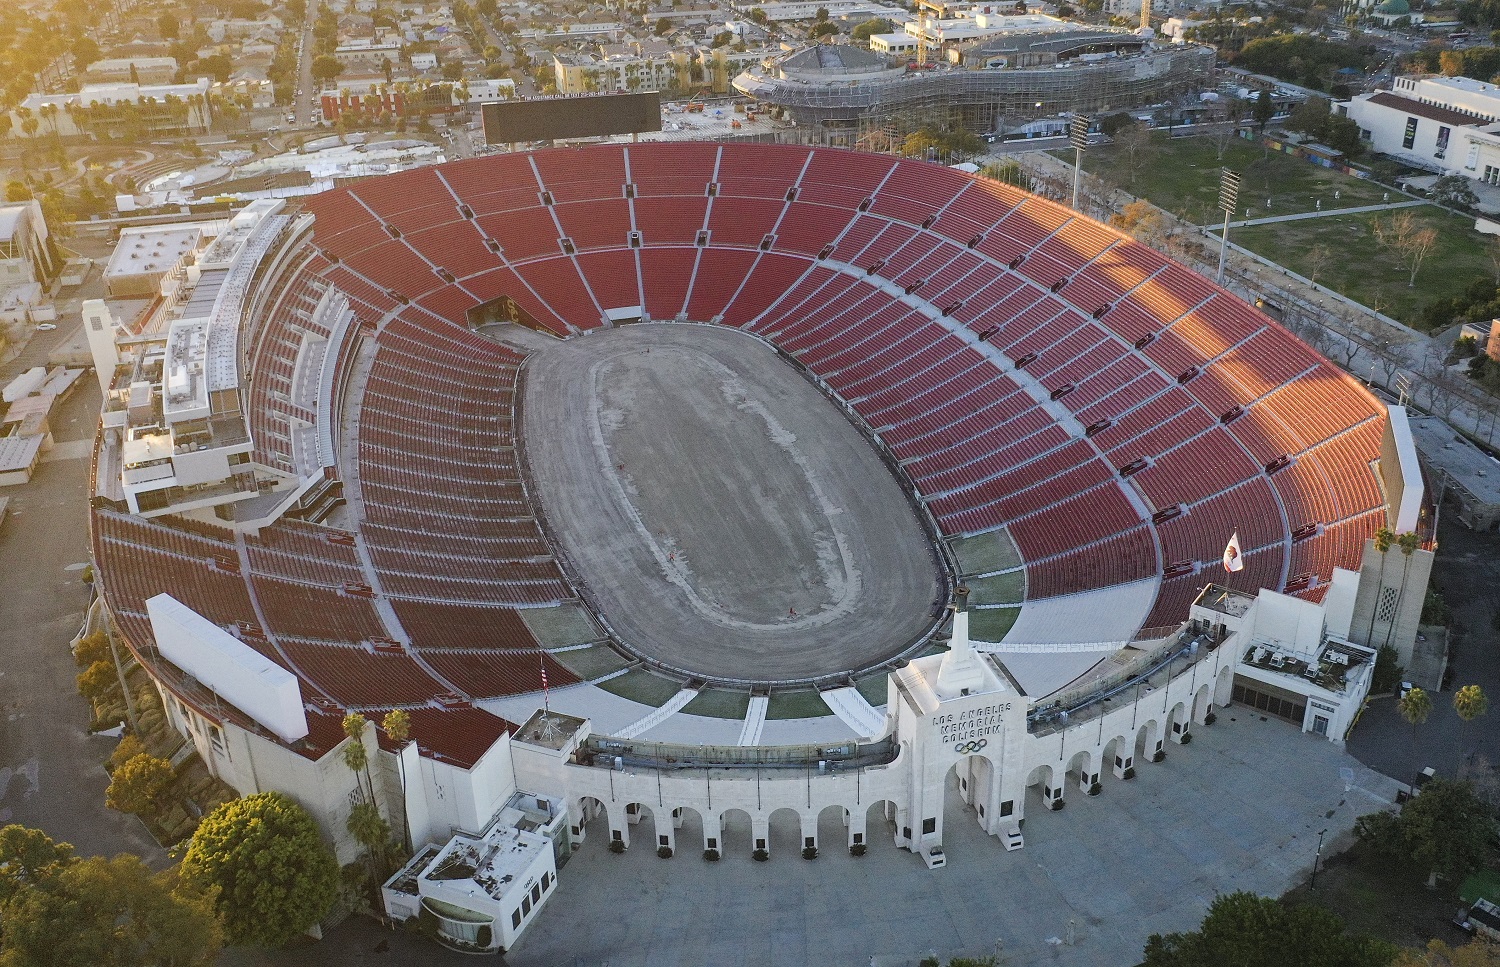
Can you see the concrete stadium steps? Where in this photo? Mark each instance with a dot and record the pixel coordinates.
(857, 713)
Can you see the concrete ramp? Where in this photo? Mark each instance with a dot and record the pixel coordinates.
(658, 716)
(849, 705)
(755, 720)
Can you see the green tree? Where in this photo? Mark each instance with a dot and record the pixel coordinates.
(16, 190)
(1470, 703)
(166, 25)
(1263, 112)
(826, 28)
(275, 876)
(397, 727)
(663, 27)
(96, 681)
(1445, 831)
(1453, 191)
(1245, 930)
(325, 67)
(1415, 706)
(869, 28)
(112, 912)
(356, 756)
(28, 857)
(139, 783)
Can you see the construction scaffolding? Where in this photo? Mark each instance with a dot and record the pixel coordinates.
(1000, 100)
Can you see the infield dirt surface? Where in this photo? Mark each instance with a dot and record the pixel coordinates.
(725, 517)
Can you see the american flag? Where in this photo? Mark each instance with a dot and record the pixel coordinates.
(542, 660)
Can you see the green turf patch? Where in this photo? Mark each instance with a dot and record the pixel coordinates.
(804, 703)
(991, 624)
(720, 704)
(1376, 278)
(875, 688)
(1008, 588)
(1182, 176)
(591, 662)
(983, 553)
(567, 624)
(643, 686)
(1485, 883)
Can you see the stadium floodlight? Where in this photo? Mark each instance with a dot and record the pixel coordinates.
(1229, 189)
(1229, 198)
(1078, 136)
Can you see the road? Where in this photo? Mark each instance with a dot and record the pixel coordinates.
(307, 95)
(51, 771)
(525, 86)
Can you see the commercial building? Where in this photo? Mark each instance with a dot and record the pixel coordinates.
(1447, 125)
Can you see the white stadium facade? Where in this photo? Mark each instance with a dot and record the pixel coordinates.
(799, 487)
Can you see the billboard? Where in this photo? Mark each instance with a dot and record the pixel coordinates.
(587, 116)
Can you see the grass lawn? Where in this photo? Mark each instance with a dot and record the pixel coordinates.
(985, 552)
(802, 703)
(1008, 588)
(642, 686)
(720, 704)
(1367, 274)
(873, 688)
(991, 624)
(1182, 176)
(592, 662)
(1485, 883)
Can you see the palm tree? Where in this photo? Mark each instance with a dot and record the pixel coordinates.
(356, 757)
(1408, 542)
(397, 726)
(1470, 703)
(1415, 706)
(1384, 538)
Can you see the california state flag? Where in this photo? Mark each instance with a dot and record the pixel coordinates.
(1233, 559)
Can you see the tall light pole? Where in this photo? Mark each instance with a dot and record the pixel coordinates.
(1229, 197)
(1316, 856)
(1078, 136)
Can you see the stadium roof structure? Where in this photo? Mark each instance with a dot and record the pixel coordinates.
(1027, 368)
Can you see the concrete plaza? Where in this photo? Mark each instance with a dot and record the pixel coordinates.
(1238, 809)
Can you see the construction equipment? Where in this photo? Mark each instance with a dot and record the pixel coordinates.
(937, 7)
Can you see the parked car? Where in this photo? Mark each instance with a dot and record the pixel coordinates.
(45, 327)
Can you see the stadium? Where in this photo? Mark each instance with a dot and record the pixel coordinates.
(798, 485)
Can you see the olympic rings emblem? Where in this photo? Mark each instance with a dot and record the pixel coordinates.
(965, 748)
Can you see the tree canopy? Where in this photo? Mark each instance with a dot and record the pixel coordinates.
(109, 913)
(27, 857)
(275, 876)
(1445, 829)
(1302, 58)
(869, 28)
(1245, 930)
(139, 783)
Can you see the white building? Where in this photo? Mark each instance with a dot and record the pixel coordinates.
(25, 253)
(174, 412)
(102, 108)
(1448, 125)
